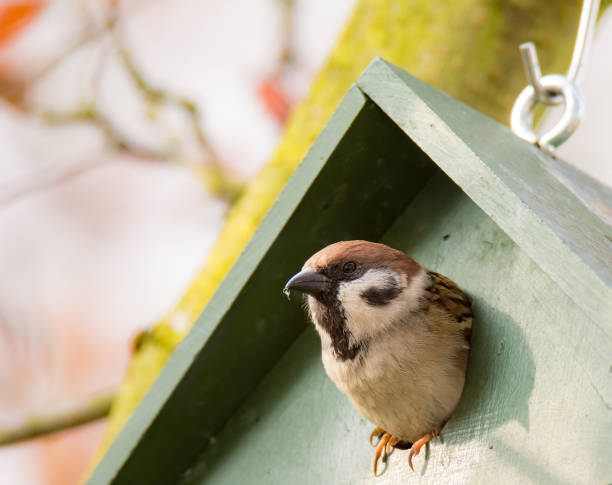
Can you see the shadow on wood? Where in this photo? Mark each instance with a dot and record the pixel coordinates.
(500, 377)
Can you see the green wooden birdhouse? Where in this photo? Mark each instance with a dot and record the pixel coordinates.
(244, 399)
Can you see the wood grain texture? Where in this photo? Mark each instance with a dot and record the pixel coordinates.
(529, 414)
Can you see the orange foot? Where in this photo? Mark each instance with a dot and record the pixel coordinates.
(416, 447)
(386, 444)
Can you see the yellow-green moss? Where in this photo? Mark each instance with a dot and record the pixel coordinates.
(469, 48)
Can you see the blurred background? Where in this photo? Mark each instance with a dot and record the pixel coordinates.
(127, 127)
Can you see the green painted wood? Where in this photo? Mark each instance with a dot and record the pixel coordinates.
(529, 414)
(345, 188)
(522, 240)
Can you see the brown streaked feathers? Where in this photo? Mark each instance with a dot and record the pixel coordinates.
(449, 296)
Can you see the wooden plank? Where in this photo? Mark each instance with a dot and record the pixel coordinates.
(521, 189)
(345, 188)
(529, 415)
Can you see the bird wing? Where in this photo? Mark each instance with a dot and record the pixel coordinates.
(446, 294)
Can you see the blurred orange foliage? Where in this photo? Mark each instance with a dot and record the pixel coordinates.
(14, 17)
(274, 99)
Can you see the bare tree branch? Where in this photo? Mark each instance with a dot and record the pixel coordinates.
(14, 92)
(90, 114)
(213, 172)
(209, 170)
(45, 423)
(43, 179)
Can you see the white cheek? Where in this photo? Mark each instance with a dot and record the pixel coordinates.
(363, 319)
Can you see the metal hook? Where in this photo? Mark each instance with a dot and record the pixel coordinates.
(588, 17)
(554, 89)
(534, 75)
(522, 117)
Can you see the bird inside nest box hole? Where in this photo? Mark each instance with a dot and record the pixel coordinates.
(395, 338)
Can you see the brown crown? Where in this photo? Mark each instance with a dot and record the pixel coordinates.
(366, 253)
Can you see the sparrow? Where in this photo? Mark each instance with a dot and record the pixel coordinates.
(395, 338)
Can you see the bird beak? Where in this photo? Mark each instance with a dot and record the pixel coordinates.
(308, 282)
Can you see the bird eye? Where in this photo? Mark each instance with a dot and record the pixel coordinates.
(349, 267)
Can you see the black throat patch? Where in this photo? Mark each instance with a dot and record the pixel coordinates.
(331, 318)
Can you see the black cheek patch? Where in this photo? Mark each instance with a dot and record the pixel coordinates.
(381, 296)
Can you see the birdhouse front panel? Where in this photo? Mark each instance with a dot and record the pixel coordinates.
(245, 398)
(524, 404)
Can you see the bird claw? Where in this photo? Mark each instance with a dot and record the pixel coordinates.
(385, 446)
(390, 447)
(381, 449)
(417, 445)
(414, 451)
(378, 432)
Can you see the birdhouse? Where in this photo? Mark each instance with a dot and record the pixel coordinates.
(245, 399)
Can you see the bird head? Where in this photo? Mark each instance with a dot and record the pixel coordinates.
(356, 289)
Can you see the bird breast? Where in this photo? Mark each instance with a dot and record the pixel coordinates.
(398, 382)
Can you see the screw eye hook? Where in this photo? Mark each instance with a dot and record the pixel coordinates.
(554, 89)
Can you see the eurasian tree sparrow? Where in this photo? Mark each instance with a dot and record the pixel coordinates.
(395, 338)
